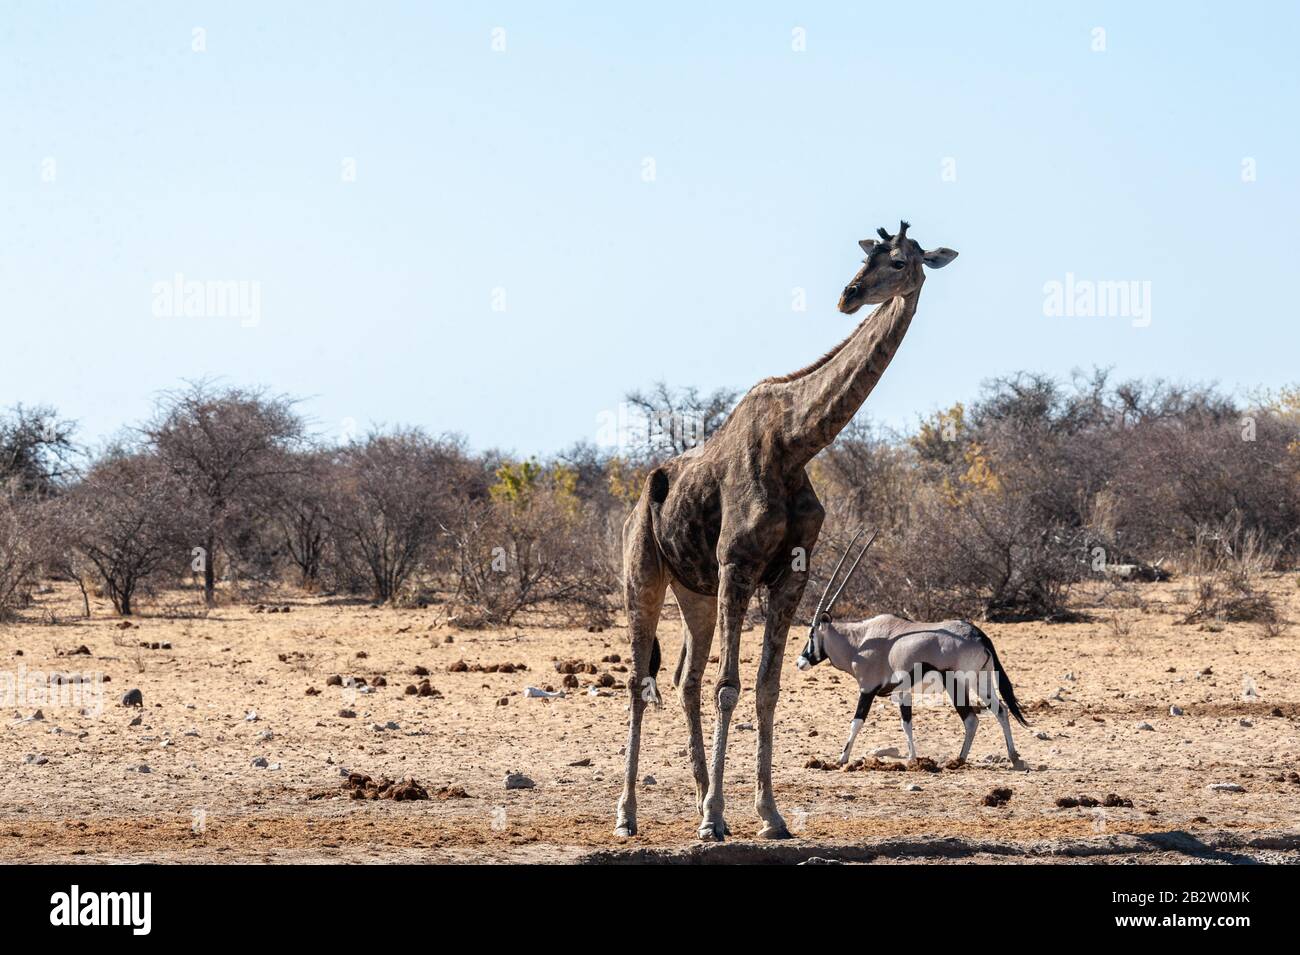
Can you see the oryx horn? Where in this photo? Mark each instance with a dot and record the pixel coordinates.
(844, 583)
(830, 582)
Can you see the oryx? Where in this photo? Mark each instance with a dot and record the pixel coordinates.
(891, 655)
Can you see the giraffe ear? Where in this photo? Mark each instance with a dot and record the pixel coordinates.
(938, 258)
(866, 245)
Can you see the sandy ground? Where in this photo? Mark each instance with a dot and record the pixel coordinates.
(73, 790)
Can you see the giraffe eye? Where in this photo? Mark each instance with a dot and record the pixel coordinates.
(896, 264)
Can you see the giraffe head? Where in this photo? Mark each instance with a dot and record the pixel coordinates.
(893, 267)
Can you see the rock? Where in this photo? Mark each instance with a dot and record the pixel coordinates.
(347, 714)
(887, 752)
(1245, 722)
(534, 692)
(251, 716)
(411, 689)
(260, 762)
(334, 680)
(1175, 711)
(136, 722)
(266, 736)
(911, 788)
(133, 698)
(518, 781)
(1144, 727)
(744, 726)
(390, 725)
(1226, 788)
(649, 781)
(1041, 735)
(143, 768)
(585, 761)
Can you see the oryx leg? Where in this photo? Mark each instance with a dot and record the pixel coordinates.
(989, 696)
(958, 688)
(859, 717)
(905, 714)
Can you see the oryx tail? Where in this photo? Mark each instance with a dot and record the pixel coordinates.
(1004, 682)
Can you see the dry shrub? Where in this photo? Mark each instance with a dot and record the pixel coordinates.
(20, 554)
(1225, 566)
(532, 545)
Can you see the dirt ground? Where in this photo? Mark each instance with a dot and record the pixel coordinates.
(239, 687)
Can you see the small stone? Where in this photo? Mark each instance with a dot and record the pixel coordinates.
(334, 680)
(649, 781)
(1144, 727)
(136, 722)
(390, 725)
(347, 714)
(143, 768)
(1175, 711)
(518, 781)
(1041, 735)
(1226, 788)
(887, 752)
(911, 788)
(251, 716)
(266, 736)
(1245, 722)
(260, 762)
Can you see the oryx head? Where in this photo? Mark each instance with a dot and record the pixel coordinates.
(814, 652)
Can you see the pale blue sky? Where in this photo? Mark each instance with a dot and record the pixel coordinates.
(522, 170)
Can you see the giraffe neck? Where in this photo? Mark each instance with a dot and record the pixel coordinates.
(824, 400)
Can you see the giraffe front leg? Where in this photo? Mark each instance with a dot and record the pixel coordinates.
(734, 592)
(783, 600)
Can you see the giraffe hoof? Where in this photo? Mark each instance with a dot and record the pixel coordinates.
(774, 831)
(625, 831)
(709, 832)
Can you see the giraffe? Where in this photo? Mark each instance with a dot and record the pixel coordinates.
(737, 513)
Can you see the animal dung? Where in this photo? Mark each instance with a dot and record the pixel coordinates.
(997, 797)
(1112, 801)
(460, 666)
(361, 786)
